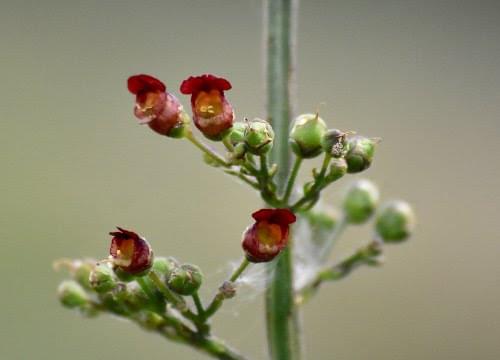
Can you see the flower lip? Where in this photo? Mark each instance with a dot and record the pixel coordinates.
(206, 82)
(142, 83)
(283, 217)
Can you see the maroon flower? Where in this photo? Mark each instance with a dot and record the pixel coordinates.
(263, 240)
(212, 113)
(154, 105)
(131, 253)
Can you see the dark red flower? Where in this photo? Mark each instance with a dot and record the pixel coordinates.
(212, 113)
(131, 253)
(263, 240)
(154, 105)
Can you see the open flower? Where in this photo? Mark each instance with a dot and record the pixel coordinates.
(130, 252)
(154, 105)
(263, 240)
(212, 113)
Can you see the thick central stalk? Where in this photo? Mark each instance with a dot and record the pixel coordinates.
(280, 21)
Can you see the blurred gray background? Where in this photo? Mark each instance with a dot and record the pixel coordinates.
(423, 75)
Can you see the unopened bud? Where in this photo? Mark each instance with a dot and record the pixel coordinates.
(102, 279)
(360, 201)
(237, 133)
(165, 266)
(395, 221)
(82, 273)
(338, 168)
(306, 136)
(185, 279)
(360, 153)
(259, 136)
(72, 295)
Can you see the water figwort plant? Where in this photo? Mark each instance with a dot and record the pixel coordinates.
(153, 291)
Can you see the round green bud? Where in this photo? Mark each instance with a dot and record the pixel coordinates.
(237, 134)
(326, 219)
(102, 278)
(135, 299)
(338, 168)
(165, 266)
(185, 279)
(72, 295)
(259, 136)
(82, 274)
(395, 221)
(334, 143)
(359, 155)
(360, 201)
(306, 136)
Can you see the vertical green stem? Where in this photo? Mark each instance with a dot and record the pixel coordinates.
(282, 318)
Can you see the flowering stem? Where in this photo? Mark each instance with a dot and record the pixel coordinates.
(282, 318)
(220, 296)
(206, 149)
(367, 255)
(150, 293)
(291, 179)
(198, 304)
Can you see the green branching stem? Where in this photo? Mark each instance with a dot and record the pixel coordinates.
(291, 179)
(367, 255)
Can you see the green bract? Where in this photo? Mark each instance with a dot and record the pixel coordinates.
(71, 294)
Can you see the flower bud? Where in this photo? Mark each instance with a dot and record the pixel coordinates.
(306, 136)
(185, 279)
(265, 239)
(213, 115)
(165, 266)
(72, 295)
(102, 279)
(395, 221)
(130, 252)
(259, 136)
(338, 168)
(326, 219)
(360, 153)
(82, 274)
(156, 107)
(334, 142)
(360, 201)
(237, 133)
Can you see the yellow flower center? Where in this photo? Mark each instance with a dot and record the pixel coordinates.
(125, 253)
(208, 104)
(268, 234)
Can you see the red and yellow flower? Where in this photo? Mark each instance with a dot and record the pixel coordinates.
(265, 239)
(212, 113)
(154, 106)
(130, 252)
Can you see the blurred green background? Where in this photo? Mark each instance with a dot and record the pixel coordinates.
(423, 75)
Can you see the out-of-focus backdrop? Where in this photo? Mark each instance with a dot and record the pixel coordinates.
(423, 75)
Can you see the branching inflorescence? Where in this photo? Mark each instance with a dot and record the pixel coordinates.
(154, 292)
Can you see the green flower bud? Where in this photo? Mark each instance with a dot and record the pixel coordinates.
(334, 143)
(306, 136)
(102, 279)
(338, 168)
(360, 153)
(185, 279)
(360, 201)
(72, 295)
(135, 299)
(82, 274)
(395, 221)
(239, 151)
(237, 133)
(165, 266)
(259, 136)
(322, 219)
